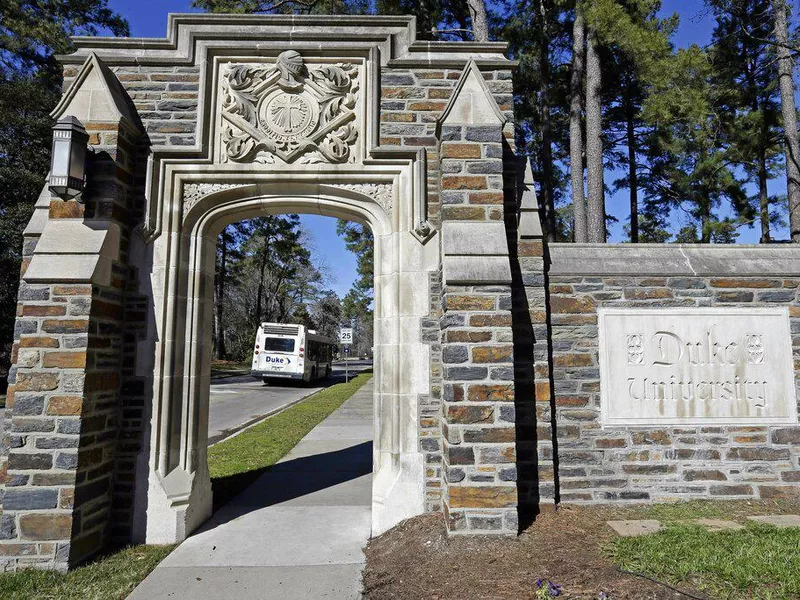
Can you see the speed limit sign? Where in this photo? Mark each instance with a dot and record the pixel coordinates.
(346, 336)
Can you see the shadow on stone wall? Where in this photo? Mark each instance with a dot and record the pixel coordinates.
(537, 469)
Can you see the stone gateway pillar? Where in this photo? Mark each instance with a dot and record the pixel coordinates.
(510, 374)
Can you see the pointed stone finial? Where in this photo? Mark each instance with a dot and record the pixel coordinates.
(472, 103)
(530, 224)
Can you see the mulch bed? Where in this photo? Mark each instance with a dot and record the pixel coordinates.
(417, 560)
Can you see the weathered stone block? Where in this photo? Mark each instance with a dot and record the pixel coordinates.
(469, 414)
(466, 373)
(788, 435)
(484, 496)
(492, 354)
(460, 455)
(65, 325)
(19, 461)
(763, 453)
(36, 382)
(492, 455)
(704, 475)
(28, 404)
(454, 354)
(64, 360)
(43, 527)
(491, 393)
(490, 435)
(8, 527)
(30, 499)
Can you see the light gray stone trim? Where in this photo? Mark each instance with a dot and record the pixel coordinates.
(75, 251)
(674, 259)
(469, 238)
(476, 270)
(186, 32)
(41, 212)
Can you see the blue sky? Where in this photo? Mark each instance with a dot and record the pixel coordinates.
(148, 18)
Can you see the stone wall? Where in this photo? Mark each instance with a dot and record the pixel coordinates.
(672, 462)
(412, 101)
(165, 99)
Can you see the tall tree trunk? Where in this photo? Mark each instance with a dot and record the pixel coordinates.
(261, 283)
(763, 195)
(219, 300)
(792, 146)
(633, 179)
(548, 204)
(594, 144)
(580, 233)
(480, 21)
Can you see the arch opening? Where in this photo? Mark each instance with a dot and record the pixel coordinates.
(179, 486)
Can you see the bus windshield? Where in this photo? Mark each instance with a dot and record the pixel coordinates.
(272, 344)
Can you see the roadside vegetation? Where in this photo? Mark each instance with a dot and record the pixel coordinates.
(238, 461)
(233, 464)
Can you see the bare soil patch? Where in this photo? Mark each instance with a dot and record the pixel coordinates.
(568, 546)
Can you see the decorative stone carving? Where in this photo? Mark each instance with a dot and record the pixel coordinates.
(381, 193)
(194, 192)
(289, 112)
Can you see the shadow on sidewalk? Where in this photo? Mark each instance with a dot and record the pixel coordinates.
(288, 480)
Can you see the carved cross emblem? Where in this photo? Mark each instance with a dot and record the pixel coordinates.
(289, 112)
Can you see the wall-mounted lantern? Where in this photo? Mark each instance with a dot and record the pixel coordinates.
(68, 159)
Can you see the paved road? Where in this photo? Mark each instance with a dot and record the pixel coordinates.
(297, 533)
(237, 401)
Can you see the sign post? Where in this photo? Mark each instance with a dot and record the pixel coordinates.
(346, 339)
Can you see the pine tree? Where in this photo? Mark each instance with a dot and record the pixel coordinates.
(789, 112)
(746, 73)
(690, 164)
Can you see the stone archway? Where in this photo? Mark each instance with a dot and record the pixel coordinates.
(178, 496)
(238, 115)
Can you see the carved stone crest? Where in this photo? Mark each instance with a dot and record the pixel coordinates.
(289, 112)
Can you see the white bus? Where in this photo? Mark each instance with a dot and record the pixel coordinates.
(285, 351)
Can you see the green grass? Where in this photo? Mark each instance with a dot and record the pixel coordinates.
(758, 562)
(109, 577)
(238, 461)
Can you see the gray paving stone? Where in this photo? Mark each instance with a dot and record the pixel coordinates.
(633, 528)
(719, 524)
(778, 520)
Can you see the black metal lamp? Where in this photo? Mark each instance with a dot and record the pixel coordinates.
(68, 159)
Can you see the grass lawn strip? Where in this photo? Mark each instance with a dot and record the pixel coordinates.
(236, 462)
(109, 577)
(232, 463)
(758, 562)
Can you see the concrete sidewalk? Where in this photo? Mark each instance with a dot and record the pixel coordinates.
(297, 532)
